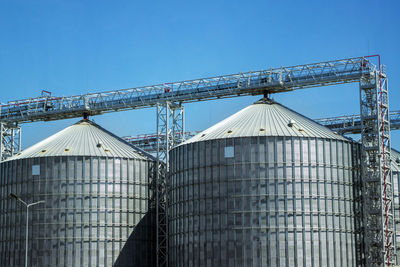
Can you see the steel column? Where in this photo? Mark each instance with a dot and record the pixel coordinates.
(378, 221)
(10, 140)
(170, 132)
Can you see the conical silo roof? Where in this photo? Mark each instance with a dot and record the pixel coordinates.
(395, 155)
(266, 118)
(84, 138)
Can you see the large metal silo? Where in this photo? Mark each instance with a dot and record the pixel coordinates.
(96, 211)
(395, 165)
(265, 187)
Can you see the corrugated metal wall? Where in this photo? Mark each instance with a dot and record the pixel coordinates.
(396, 182)
(396, 188)
(96, 212)
(263, 201)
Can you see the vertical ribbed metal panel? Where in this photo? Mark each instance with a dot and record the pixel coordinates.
(96, 212)
(263, 201)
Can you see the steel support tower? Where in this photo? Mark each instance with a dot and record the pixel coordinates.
(10, 140)
(377, 183)
(375, 128)
(170, 132)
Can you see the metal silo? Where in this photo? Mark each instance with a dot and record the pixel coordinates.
(96, 211)
(264, 187)
(395, 164)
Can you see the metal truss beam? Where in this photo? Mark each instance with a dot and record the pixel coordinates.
(170, 132)
(283, 79)
(377, 189)
(148, 142)
(10, 140)
(351, 124)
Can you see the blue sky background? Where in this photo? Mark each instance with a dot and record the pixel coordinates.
(74, 47)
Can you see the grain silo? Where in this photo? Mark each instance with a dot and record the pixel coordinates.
(395, 164)
(264, 187)
(96, 192)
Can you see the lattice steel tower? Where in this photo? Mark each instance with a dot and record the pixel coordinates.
(170, 132)
(378, 220)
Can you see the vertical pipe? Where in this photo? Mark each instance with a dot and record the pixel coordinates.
(167, 147)
(156, 189)
(26, 236)
(12, 141)
(183, 123)
(168, 111)
(20, 139)
(1, 141)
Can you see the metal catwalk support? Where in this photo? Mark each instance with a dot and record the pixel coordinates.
(351, 124)
(273, 80)
(170, 132)
(10, 143)
(148, 142)
(377, 190)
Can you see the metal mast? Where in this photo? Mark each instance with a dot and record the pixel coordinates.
(10, 140)
(170, 132)
(377, 190)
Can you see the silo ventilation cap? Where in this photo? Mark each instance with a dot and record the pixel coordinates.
(265, 100)
(291, 123)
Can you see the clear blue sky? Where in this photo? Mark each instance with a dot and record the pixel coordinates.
(73, 47)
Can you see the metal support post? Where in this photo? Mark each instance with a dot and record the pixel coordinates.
(26, 235)
(388, 220)
(10, 140)
(178, 125)
(170, 132)
(27, 222)
(377, 189)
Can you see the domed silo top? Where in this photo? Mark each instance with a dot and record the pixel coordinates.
(84, 138)
(266, 118)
